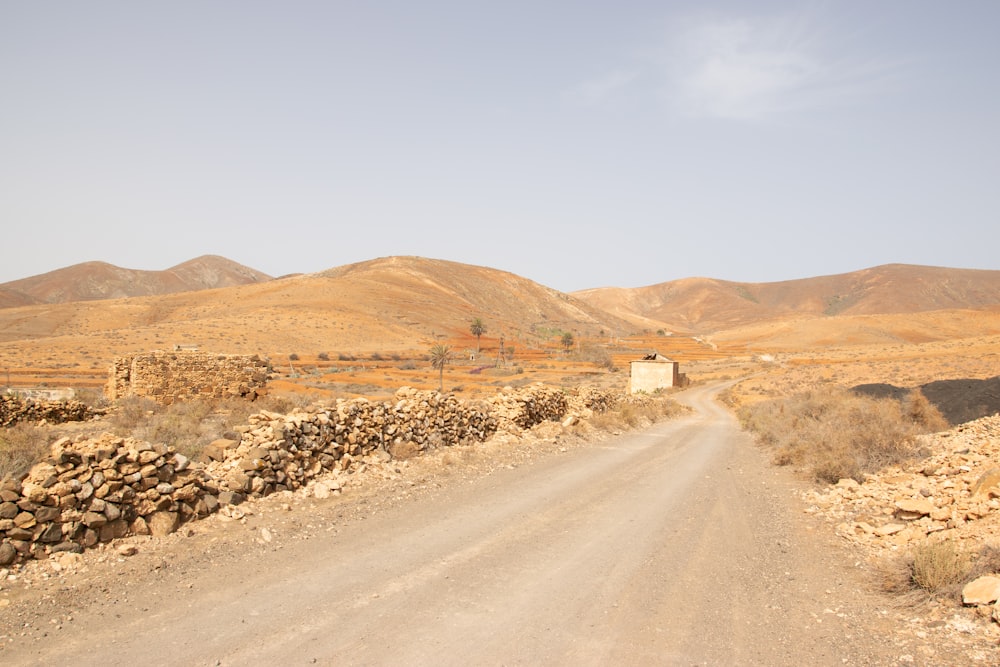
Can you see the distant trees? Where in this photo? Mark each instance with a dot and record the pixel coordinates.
(440, 356)
(567, 340)
(477, 329)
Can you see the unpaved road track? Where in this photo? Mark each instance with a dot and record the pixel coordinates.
(676, 545)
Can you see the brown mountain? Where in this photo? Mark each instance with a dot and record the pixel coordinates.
(389, 304)
(705, 305)
(98, 280)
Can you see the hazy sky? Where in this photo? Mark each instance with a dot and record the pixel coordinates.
(578, 144)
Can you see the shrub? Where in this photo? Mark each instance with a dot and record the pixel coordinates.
(834, 434)
(293, 357)
(323, 356)
(129, 413)
(21, 446)
(940, 567)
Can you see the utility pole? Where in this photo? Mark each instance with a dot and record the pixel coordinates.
(501, 355)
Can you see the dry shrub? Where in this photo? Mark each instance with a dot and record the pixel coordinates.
(636, 411)
(986, 561)
(940, 567)
(21, 446)
(130, 413)
(188, 425)
(836, 434)
(924, 413)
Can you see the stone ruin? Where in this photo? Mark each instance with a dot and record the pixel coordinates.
(166, 377)
(15, 409)
(94, 490)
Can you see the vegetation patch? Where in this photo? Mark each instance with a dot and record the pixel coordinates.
(836, 434)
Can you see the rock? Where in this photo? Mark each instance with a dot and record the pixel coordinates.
(988, 481)
(216, 450)
(984, 590)
(889, 529)
(139, 526)
(7, 553)
(162, 523)
(127, 550)
(230, 498)
(914, 507)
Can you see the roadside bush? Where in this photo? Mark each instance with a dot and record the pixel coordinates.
(636, 411)
(836, 434)
(21, 446)
(323, 356)
(940, 567)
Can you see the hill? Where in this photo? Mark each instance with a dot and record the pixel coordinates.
(704, 305)
(384, 305)
(99, 280)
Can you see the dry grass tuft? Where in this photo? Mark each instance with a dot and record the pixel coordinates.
(836, 434)
(21, 446)
(635, 412)
(940, 567)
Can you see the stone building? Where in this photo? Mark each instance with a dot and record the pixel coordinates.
(166, 377)
(654, 371)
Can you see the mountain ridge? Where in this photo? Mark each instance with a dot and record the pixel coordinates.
(705, 305)
(97, 280)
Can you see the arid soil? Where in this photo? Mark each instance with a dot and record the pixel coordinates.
(674, 544)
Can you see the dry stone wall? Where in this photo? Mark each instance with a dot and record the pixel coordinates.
(99, 489)
(166, 377)
(14, 409)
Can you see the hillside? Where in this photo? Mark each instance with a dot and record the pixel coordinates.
(98, 280)
(384, 305)
(705, 305)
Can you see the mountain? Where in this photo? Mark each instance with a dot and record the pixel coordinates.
(706, 305)
(388, 304)
(98, 280)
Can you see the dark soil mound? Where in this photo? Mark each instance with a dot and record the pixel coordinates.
(959, 401)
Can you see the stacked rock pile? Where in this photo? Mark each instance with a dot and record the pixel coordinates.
(285, 452)
(14, 409)
(593, 399)
(96, 490)
(953, 493)
(101, 488)
(523, 408)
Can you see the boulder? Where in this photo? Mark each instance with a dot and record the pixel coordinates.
(984, 590)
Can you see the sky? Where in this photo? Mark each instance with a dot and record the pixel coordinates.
(579, 144)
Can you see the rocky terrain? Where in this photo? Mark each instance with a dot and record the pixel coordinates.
(951, 497)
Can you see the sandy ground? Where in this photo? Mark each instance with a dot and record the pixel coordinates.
(677, 544)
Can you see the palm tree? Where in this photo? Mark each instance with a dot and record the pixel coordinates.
(477, 328)
(440, 356)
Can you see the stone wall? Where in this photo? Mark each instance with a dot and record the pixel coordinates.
(101, 488)
(14, 409)
(166, 377)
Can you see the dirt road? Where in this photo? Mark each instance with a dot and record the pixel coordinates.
(676, 545)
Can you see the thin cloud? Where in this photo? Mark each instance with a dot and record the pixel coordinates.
(754, 68)
(601, 88)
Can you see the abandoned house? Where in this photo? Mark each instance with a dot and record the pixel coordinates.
(654, 371)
